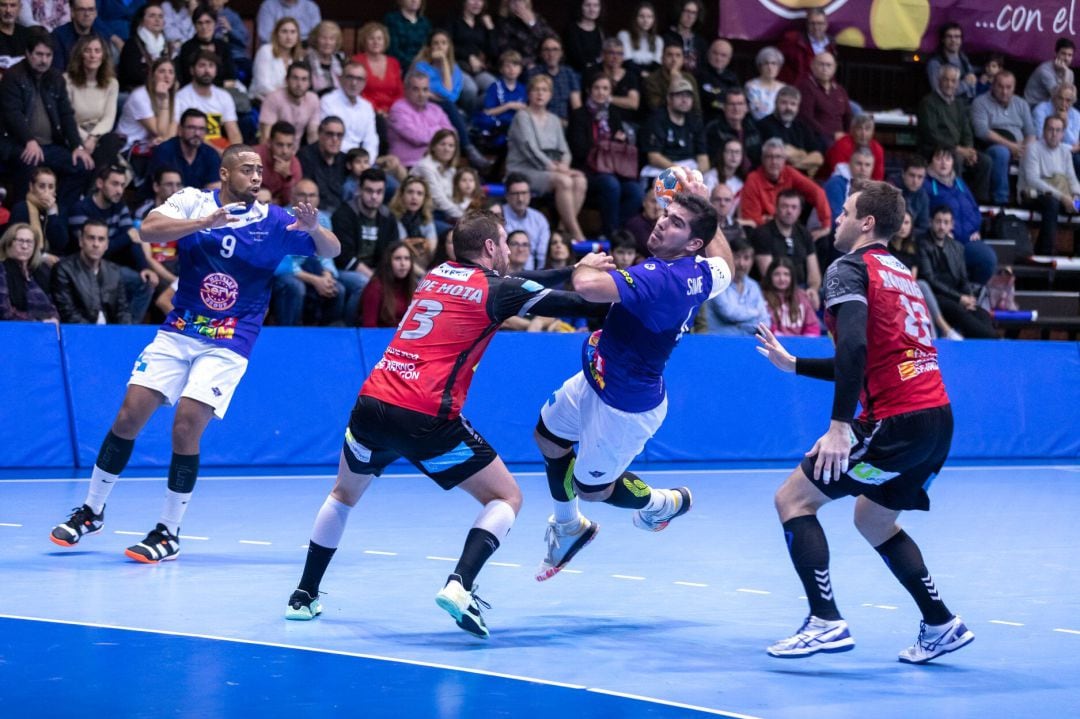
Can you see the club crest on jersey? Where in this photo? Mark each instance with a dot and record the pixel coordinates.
(219, 291)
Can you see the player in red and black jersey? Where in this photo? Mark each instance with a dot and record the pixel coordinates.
(887, 457)
(410, 406)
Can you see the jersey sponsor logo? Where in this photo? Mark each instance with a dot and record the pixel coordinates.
(911, 369)
(869, 474)
(219, 291)
(458, 274)
(595, 361)
(531, 286)
(358, 450)
(627, 276)
(892, 263)
(215, 329)
(404, 370)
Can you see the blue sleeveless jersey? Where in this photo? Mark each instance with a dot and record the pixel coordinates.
(226, 273)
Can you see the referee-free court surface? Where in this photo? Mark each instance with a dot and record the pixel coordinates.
(672, 624)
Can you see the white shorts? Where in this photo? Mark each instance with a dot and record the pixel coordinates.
(179, 366)
(608, 439)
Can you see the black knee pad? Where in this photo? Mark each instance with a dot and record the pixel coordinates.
(589, 488)
(547, 434)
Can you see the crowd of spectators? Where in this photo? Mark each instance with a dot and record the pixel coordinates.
(112, 106)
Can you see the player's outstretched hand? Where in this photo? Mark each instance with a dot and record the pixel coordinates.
(598, 261)
(224, 215)
(771, 348)
(307, 217)
(689, 183)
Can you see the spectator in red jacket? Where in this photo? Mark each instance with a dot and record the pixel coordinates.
(825, 107)
(766, 182)
(799, 47)
(861, 134)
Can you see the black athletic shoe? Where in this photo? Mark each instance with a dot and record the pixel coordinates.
(82, 521)
(302, 606)
(160, 545)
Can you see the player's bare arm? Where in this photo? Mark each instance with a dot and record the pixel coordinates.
(158, 227)
(592, 281)
(307, 220)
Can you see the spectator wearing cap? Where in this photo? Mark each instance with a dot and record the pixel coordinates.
(656, 85)
(675, 135)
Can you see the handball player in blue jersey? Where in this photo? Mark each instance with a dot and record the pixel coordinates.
(229, 246)
(617, 402)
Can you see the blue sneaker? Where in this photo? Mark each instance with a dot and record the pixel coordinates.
(934, 641)
(303, 607)
(815, 635)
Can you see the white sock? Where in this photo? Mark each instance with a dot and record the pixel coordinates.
(330, 523)
(101, 483)
(657, 500)
(566, 512)
(172, 514)
(496, 517)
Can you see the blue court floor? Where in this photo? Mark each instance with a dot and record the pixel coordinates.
(667, 625)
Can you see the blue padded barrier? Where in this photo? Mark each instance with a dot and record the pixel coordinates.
(34, 416)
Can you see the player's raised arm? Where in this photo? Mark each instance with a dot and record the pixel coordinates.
(592, 279)
(307, 220)
(161, 226)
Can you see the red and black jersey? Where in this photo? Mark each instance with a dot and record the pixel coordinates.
(901, 373)
(455, 312)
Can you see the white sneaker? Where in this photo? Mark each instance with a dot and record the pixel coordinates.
(676, 502)
(815, 635)
(464, 606)
(934, 641)
(563, 542)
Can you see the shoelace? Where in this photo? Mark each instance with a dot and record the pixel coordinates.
(479, 602)
(80, 514)
(922, 634)
(551, 536)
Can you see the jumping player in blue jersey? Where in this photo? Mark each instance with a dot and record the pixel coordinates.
(617, 402)
(229, 246)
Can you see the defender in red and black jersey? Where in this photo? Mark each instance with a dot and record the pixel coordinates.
(410, 406)
(887, 457)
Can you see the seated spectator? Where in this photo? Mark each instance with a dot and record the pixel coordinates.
(214, 102)
(1060, 105)
(625, 82)
(162, 257)
(1003, 122)
(658, 83)
(93, 91)
(825, 107)
(624, 250)
(39, 123)
(1051, 73)
(715, 77)
(146, 43)
(307, 290)
(469, 193)
(413, 209)
(860, 134)
(642, 46)
(674, 135)
(325, 57)
(205, 39)
(559, 254)
(357, 113)
(565, 82)
(24, 278)
(859, 168)
(728, 171)
(942, 266)
(14, 36)
(197, 162)
(388, 295)
(600, 121)
(723, 200)
(949, 53)
(272, 59)
(763, 186)
(523, 29)
(537, 148)
(436, 168)
(995, 63)
(803, 146)
(791, 312)
(800, 47)
(736, 124)
(518, 216)
(518, 244)
(86, 288)
(84, 21)
(44, 214)
(356, 162)
(295, 104)
(911, 186)
(786, 238)
(761, 91)
(641, 225)
(231, 29)
(503, 99)
(472, 32)
(179, 25)
(686, 33)
(414, 120)
(943, 187)
(384, 86)
(106, 204)
(366, 229)
(324, 162)
(281, 168)
(741, 307)
(1048, 182)
(584, 38)
(408, 30)
(149, 115)
(305, 12)
(945, 121)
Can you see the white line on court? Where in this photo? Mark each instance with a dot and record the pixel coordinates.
(9, 524)
(503, 564)
(441, 559)
(192, 536)
(691, 584)
(572, 571)
(378, 552)
(130, 534)
(753, 591)
(628, 576)
(1068, 631)
(257, 542)
(378, 658)
(1007, 624)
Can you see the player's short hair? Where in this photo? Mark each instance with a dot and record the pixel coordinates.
(703, 217)
(94, 222)
(208, 56)
(914, 160)
(281, 127)
(623, 239)
(372, 174)
(190, 113)
(159, 173)
(739, 244)
(1064, 43)
(298, 65)
(791, 193)
(472, 230)
(514, 178)
(885, 203)
(328, 120)
(104, 171)
(228, 158)
(940, 210)
(356, 153)
(38, 35)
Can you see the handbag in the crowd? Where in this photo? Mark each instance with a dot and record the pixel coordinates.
(612, 157)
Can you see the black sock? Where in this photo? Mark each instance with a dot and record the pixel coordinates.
(560, 476)
(114, 453)
(629, 492)
(318, 559)
(183, 471)
(809, 552)
(904, 559)
(480, 544)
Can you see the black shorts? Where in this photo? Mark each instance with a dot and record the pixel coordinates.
(447, 450)
(894, 460)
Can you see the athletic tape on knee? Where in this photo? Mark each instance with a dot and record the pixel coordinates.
(183, 471)
(114, 453)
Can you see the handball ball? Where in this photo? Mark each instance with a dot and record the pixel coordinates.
(667, 185)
